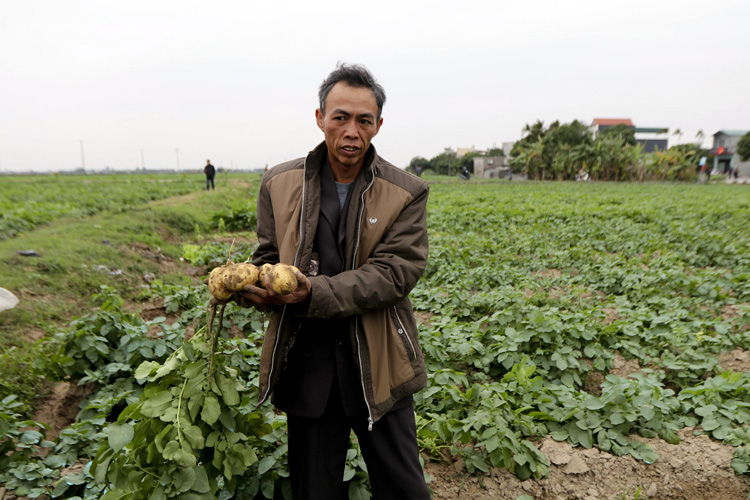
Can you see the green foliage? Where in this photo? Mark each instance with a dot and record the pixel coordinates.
(418, 163)
(216, 253)
(562, 151)
(29, 201)
(189, 433)
(522, 284)
(24, 373)
(240, 217)
(445, 163)
(182, 222)
(743, 147)
(20, 440)
(624, 132)
(530, 296)
(106, 344)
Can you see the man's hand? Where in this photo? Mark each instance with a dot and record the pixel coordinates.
(253, 296)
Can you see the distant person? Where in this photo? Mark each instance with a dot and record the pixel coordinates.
(210, 172)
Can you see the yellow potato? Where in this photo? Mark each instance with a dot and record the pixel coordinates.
(283, 279)
(216, 283)
(262, 272)
(239, 275)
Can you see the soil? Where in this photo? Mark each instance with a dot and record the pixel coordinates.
(624, 368)
(737, 360)
(697, 468)
(612, 315)
(548, 273)
(59, 409)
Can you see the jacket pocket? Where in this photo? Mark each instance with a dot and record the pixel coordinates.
(402, 333)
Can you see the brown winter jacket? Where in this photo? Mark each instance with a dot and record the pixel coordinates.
(386, 252)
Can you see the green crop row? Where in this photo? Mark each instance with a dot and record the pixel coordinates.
(534, 297)
(29, 201)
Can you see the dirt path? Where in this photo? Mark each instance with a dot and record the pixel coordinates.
(698, 468)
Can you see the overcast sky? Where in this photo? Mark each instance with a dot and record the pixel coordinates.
(158, 82)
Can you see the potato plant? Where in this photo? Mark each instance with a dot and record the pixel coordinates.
(533, 298)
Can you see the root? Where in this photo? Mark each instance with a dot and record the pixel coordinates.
(229, 259)
(214, 338)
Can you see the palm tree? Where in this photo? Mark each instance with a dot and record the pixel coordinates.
(700, 136)
(678, 133)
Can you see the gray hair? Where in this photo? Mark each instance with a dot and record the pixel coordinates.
(354, 75)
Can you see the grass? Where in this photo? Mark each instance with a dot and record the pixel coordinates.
(77, 255)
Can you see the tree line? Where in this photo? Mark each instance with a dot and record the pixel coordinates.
(565, 151)
(448, 162)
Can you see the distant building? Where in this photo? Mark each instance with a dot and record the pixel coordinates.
(495, 167)
(463, 151)
(652, 138)
(601, 124)
(725, 154)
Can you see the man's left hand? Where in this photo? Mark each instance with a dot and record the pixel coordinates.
(257, 296)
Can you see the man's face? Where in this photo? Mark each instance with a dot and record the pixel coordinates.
(349, 124)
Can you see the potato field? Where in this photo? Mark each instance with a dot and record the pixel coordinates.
(598, 316)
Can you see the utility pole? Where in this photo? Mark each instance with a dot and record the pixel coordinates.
(143, 161)
(83, 160)
(177, 152)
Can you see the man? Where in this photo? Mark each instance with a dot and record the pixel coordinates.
(210, 171)
(341, 352)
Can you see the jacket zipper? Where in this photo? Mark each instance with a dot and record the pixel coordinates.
(356, 323)
(402, 333)
(296, 264)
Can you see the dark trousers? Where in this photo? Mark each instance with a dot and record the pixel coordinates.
(210, 183)
(317, 454)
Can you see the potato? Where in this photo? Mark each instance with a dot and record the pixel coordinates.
(283, 279)
(239, 275)
(216, 283)
(262, 272)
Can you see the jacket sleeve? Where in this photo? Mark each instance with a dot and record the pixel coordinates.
(387, 277)
(266, 231)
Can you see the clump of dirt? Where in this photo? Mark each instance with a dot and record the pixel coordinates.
(33, 334)
(737, 360)
(624, 368)
(556, 292)
(151, 310)
(548, 273)
(59, 409)
(730, 312)
(594, 294)
(611, 315)
(423, 317)
(737, 315)
(593, 383)
(697, 468)
(167, 265)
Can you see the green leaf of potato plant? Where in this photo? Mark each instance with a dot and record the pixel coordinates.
(186, 437)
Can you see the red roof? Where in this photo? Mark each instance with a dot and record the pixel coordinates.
(613, 121)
